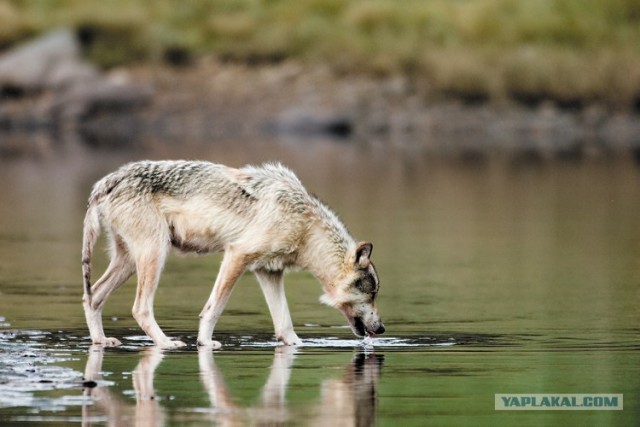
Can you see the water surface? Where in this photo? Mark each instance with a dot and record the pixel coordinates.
(499, 275)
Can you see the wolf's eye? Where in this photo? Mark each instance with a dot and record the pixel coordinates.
(365, 285)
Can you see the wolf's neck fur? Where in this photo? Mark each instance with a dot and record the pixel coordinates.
(325, 251)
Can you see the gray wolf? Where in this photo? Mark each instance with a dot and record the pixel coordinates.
(261, 217)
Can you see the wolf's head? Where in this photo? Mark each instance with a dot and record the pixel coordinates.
(355, 293)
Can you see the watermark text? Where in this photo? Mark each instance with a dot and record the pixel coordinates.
(558, 402)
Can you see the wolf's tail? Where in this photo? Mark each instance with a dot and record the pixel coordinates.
(90, 235)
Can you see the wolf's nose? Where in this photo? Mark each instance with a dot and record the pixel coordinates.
(380, 329)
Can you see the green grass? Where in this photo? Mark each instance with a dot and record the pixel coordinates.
(574, 52)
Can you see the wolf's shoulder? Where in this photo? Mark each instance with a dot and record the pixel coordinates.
(272, 171)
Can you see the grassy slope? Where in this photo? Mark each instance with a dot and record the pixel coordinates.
(570, 51)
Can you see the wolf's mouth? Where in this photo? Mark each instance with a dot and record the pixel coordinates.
(358, 327)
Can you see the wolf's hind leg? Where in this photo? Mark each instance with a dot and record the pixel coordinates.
(120, 269)
(149, 264)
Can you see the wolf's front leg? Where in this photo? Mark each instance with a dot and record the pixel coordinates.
(272, 285)
(232, 267)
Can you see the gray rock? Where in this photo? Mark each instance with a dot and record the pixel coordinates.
(48, 62)
(57, 88)
(84, 100)
(300, 121)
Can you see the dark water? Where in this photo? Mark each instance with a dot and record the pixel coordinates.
(499, 275)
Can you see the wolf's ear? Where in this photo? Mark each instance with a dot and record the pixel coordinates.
(363, 254)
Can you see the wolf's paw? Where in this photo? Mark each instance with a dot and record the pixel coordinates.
(171, 344)
(290, 339)
(108, 342)
(214, 345)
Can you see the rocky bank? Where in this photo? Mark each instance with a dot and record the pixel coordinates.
(46, 87)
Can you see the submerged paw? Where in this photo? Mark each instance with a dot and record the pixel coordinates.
(108, 342)
(172, 344)
(290, 340)
(210, 343)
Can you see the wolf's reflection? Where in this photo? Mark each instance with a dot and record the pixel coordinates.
(147, 410)
(349, 400)
(272, 408)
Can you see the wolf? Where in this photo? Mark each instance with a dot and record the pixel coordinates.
(261, 217)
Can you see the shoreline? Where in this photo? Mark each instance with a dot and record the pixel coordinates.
(213, 100)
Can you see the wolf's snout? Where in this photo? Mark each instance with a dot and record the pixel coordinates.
(380, 329)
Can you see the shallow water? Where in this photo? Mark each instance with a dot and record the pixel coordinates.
(499, 275)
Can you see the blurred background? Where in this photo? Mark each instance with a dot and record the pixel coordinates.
(465, 75)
